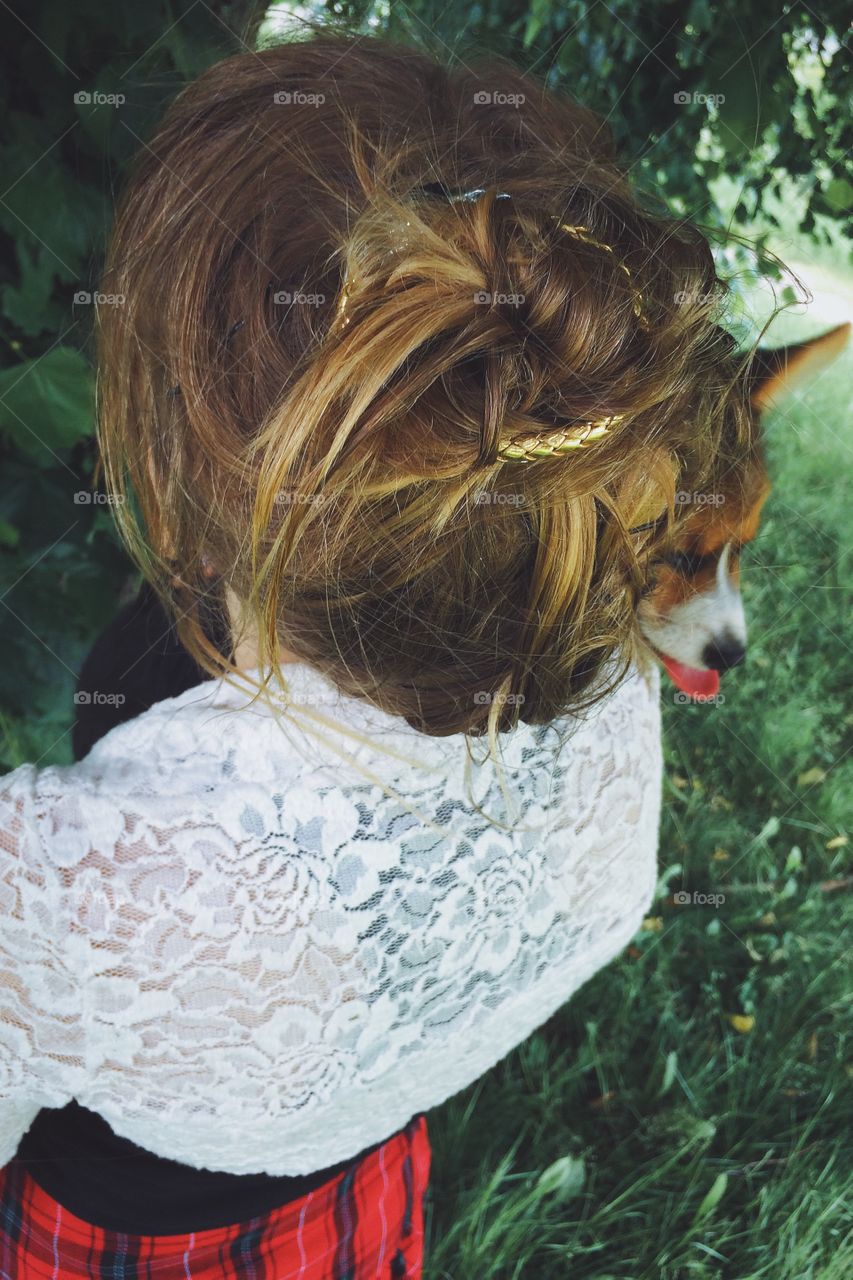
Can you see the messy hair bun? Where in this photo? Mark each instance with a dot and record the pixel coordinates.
(321, 353)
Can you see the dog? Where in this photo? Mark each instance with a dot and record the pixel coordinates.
(692, 617)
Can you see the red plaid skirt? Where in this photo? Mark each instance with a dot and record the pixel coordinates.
(366, 1222)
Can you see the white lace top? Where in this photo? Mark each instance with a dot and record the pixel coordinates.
(247, 957)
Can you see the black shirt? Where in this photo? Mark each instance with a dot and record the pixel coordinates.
(74, 1155)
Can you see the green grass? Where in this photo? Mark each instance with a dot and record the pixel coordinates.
(716, 1152)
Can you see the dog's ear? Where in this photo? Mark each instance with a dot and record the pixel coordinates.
(773, 373)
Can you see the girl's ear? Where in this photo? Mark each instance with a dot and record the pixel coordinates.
(773, 373)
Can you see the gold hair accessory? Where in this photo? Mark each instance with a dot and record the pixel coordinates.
(582, 233)
(528, 448)
(340, 317)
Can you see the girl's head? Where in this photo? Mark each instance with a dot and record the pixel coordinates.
(326, 345)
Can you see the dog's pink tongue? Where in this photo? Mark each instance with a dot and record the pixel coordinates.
(690, 680)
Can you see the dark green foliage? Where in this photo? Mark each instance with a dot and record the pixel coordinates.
(61, 569)
(770, 86)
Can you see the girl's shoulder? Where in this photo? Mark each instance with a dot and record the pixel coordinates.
(164, 767)
(213, 758)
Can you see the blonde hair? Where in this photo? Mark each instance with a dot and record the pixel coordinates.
(347, 480)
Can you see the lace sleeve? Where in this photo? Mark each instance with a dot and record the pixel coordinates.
(42, 1041)
(246, 956)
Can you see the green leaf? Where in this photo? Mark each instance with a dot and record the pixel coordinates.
(713, 1198)
(36, 209)
(662, 887)
(562, 1179)
(9, 535)
(838, 195)
(670, 1068)
(47, 403)
(794, 860)
(29, 307)
(770, 829)
(540, 16)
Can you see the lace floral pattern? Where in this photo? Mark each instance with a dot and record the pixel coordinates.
(246, 956)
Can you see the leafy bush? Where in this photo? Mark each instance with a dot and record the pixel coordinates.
(85, 86)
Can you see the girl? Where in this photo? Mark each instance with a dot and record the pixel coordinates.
(393, 405)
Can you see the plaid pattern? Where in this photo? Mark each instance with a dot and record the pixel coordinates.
(365, 1223)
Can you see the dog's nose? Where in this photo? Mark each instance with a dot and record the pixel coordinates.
(723, 654)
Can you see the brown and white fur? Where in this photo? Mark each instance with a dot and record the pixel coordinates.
(693, 617)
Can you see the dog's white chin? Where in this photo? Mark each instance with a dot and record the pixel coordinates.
(681, 636)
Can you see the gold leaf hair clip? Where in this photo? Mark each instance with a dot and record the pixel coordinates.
(529, 447)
